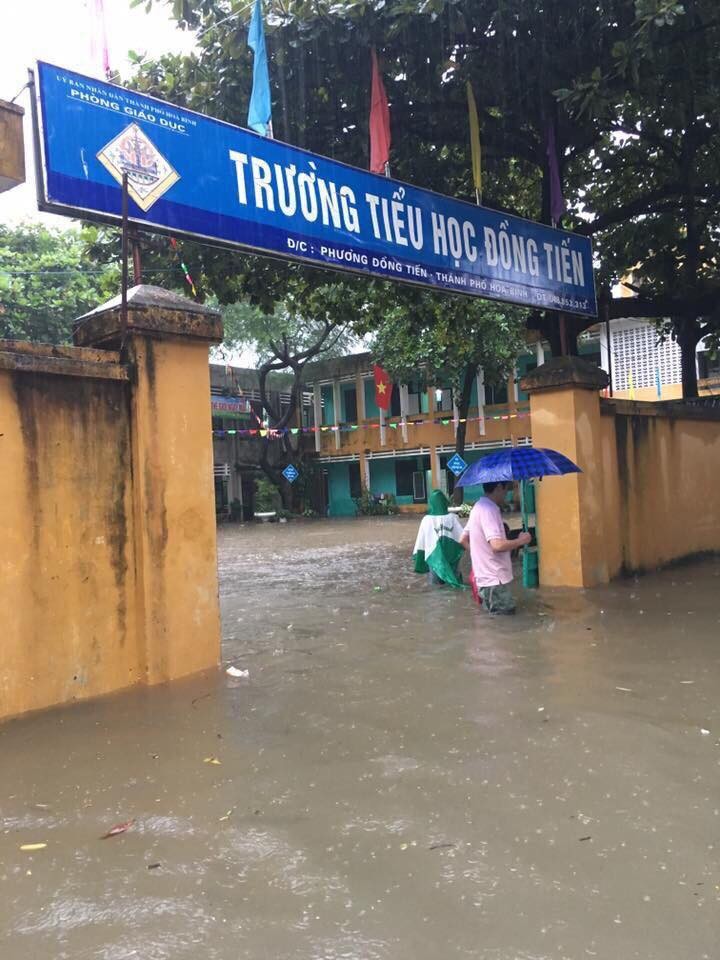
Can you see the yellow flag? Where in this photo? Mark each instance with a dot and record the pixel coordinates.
(474, 141)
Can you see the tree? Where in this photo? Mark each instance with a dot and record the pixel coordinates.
(310, 324)
(653, 181)
(319, 70)
(444, 339)
(46, 282)
(620, 60)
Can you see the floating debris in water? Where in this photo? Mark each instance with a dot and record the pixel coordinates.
(213, 760)
(117, 829)
(237, 672)
(31, 847)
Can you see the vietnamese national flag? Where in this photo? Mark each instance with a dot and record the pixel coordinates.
(383, 388)
(379, 122)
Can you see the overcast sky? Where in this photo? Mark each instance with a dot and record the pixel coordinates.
(61, 32)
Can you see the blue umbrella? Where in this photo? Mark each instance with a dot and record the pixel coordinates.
(518, 463)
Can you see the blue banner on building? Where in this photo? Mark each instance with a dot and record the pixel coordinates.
(195, 176)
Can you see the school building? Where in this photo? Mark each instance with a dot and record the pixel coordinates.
(404, 453)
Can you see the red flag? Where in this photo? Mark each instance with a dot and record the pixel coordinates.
(379, 121)
(383, 388)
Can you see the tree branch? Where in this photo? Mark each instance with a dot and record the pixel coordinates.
(640, 205)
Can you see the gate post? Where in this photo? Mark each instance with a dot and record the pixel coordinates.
(565, 415)
(167, 344)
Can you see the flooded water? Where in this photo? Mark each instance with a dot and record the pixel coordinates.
(398, 778)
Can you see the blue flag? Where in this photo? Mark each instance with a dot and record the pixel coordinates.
(260, 110)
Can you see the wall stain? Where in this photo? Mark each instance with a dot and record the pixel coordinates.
(93, 415)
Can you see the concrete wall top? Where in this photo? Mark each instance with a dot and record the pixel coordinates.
(61, 360)
(668, 409)
(152, 312)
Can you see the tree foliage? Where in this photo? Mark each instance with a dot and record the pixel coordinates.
(443, 339)
(653, 179)
(630, 88)
(46, 282)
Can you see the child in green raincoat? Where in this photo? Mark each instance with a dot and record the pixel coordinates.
(437, 547)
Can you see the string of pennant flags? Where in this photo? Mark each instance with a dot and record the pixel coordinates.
(351, 427)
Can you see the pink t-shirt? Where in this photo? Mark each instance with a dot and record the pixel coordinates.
(486, 524)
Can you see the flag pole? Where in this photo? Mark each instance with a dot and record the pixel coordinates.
(124, 255)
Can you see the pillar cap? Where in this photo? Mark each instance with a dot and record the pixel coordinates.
(151, 312)
(565, 372)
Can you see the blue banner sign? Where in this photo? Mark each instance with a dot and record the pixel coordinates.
(195, 176)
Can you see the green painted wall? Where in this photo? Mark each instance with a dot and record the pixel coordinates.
(382, 476)
(371, 408)
(341, 503)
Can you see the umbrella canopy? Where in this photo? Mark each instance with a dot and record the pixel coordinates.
(518, 463)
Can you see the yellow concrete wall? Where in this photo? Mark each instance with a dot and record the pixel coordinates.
(67, 570)
(108, 573)
(661, 486)
(670, 391)
(570, 508)
(175, 507)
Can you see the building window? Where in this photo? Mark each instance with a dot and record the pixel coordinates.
(354, 475)
(708, 366)
(404, 470)
(443, 401)
(496, 393)
(395, 401)
(350, 399)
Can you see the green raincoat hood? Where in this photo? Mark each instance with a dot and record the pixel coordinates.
(438, 504)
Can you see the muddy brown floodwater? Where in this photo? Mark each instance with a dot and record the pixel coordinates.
(399, 777)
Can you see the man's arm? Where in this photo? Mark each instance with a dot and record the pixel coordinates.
(503, 545)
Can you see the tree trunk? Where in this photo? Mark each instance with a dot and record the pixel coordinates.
(463, 407)
(547, 324)
(688, 338)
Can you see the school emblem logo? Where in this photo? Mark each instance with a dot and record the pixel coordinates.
(148, 172)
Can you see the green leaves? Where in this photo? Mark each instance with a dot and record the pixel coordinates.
(47, 282)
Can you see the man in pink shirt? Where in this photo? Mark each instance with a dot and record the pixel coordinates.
(490, 550)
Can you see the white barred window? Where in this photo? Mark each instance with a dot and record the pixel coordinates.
(636, 347)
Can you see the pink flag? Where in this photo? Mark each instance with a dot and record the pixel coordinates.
(379, 121)
(98, 39)
(557, 202)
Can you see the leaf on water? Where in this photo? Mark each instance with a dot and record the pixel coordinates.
(118, 829)
(29, 847)
(213, 760)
